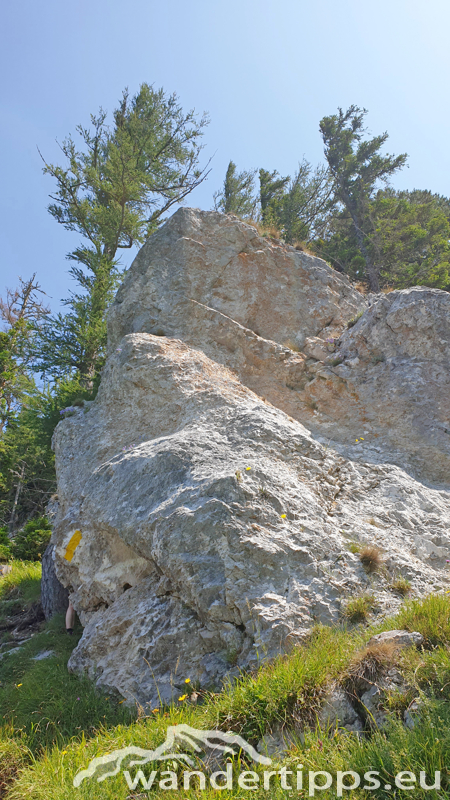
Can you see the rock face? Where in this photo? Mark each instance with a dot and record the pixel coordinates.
(393, 385)
(215, 261)
(215, 528)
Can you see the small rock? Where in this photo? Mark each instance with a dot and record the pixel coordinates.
(276, 744)
(43, 654)
(372, 701)
(314, 347)
(338, 712)
(409, 716)
(399, 638)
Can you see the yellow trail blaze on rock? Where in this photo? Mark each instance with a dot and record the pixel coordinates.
(72, 546)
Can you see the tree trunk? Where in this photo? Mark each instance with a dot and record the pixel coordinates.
(54, 597)
(370, 267)
(16, 498)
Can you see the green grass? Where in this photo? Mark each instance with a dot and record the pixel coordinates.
(49, 734)
(431, 617)
(290, 685)
(401, 586)
(41, 704)
(358, 608)
(20, 588)
(46, 703)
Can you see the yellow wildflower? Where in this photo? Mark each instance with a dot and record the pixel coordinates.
(283, 516)
(247, 468)
(188, 680)
(183, 697)
(121, 701)
(19, 684)
(155, 711)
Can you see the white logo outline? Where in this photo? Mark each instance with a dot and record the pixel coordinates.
(181, 731)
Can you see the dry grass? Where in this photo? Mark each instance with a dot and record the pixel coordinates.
(361, 287)
(303, 248)
(371, 558)
(266, 231)
(271, 232)
(368, 666)
(254, 224)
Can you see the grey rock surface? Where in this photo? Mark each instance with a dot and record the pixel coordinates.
(43, 655)
(277, 317)
(338, 712)
(391, 392)
(373, 701)
(412, 712)
(215, 527)
(398, 638)
(220, 262)
(277, 744)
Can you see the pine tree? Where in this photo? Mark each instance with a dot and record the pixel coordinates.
(20, 312)
(271, 190)
(237, 196)
(357, 166)
(114, 191)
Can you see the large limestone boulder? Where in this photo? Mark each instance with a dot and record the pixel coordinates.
(211, 502)
(215, 530)
(278, 318)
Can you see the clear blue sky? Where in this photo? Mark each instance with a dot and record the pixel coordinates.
(265, 71)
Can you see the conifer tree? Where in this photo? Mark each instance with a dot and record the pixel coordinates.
(237, 195)
(114, 191)
(357, 166)
(271, 190)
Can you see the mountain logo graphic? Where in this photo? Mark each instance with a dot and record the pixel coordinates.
(197, 740)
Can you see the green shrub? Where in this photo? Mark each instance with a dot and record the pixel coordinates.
(29, 543)
(5, 545)
(357, 609)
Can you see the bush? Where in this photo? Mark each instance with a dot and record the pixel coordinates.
(29, 543)
(357, 609)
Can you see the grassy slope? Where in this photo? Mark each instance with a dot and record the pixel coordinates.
(53, 723)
